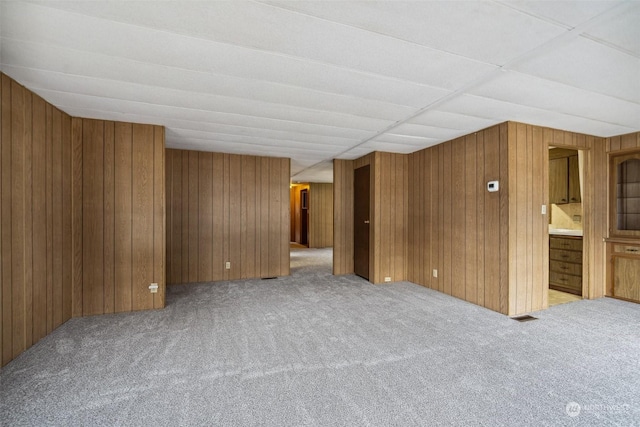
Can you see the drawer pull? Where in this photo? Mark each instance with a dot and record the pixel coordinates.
(563, 279)
(632, 250)
(564, 267)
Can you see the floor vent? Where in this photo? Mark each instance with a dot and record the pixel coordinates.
(269, 278)
(525, 318)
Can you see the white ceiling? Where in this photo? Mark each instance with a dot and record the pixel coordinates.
(320, 80)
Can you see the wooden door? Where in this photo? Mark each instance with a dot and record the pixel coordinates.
(361, 199)
(304, 217)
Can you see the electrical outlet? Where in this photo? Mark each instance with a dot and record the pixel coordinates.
(544, 209)
(153, 288)
(435, 273)
(387, 279)
(227, 265)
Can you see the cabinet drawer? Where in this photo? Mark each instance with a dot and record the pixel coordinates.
(566, 280)
(569, 244)
(626, 249)
(565, 256)
(565, 268)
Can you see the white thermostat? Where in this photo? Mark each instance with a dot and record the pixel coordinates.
(493, 186)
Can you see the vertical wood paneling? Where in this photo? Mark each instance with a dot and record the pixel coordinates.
(342, 216)
(174, 225)
(49, 215)
(235, 217)
(249, 215)
(67, 220)
(66, 202)
(205, 205)
(159, 217)
(470, 212)
(458, 217)
(34, 222)
(109, 217)
(454, 222)
(194, 218)
(93, 217)
(320, 215)
(76, 220)
(143, 216)
(5, 222)
(219, 225)
(39, 221)
(122, 199)
(56, 212)
(17, 217)
(186, 220)
(241, 215)
(123, 227)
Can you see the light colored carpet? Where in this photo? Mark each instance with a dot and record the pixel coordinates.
(313, 349)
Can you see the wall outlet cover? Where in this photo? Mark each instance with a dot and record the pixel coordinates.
(387, 279)
(153, 288)
(227, 265)
(435, 273)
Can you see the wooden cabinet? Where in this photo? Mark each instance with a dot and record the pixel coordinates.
(625, 262)
(565, 264)
(574, 180)
(564, 177)
(558, 181)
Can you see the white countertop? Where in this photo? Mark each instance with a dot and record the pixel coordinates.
(565, 232)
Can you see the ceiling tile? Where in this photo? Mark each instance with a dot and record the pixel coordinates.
(466, 28)
(567, 13)
(522, 89)
(622, 31)
(589, 65)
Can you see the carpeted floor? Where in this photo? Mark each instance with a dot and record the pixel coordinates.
(313, 349)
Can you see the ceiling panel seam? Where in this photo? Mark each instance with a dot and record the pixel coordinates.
(489, 75)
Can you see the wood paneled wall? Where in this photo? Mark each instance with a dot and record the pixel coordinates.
(528, 254)
(35, 225)
(492, 248)
(455, 226)
(389, 215)
(119, 197)
(82, 217)
(628, 141)
(320, 215)
(342, 216)
(226, 208)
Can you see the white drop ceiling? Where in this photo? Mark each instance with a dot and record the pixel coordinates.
(319, 80)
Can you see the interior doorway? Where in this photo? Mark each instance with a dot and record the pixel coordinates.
(566, 219)
(361, 207)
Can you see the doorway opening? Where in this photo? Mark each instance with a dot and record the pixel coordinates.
(311, 223)
(566, 243)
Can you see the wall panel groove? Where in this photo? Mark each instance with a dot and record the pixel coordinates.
(238, 211)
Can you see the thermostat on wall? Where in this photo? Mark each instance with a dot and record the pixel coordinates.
(493, 186)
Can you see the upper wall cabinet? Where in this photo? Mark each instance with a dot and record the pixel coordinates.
(624, 203)
(564, 176)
